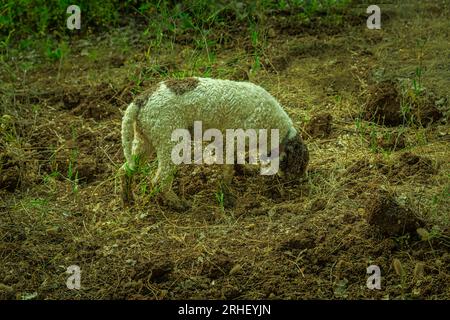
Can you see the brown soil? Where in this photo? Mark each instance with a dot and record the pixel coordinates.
(389, 217)
(384, 106)
(409, 165)
(319, 126)
(392, 141)
(367, 190)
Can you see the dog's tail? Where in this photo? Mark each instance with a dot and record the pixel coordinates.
(128, 121)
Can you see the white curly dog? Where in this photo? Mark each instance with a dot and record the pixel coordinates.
(150, 120)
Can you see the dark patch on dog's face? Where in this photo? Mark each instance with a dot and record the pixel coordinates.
(181, 86)
(295, 156)
(143, 97)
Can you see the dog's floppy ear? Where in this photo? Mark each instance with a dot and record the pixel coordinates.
(295, 156)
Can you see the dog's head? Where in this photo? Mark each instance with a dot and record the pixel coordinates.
(294, 156)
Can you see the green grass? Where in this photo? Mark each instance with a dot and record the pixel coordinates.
(204, 20)
(72, 173)
(220, 199)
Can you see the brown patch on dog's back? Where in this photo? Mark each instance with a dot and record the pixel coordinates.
(181, 86)
(142, 98)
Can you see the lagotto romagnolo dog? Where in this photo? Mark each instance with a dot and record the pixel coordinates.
(150, 120)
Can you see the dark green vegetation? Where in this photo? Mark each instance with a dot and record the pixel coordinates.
(373, 107)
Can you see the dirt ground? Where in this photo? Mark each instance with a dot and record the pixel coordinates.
(373, 108)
